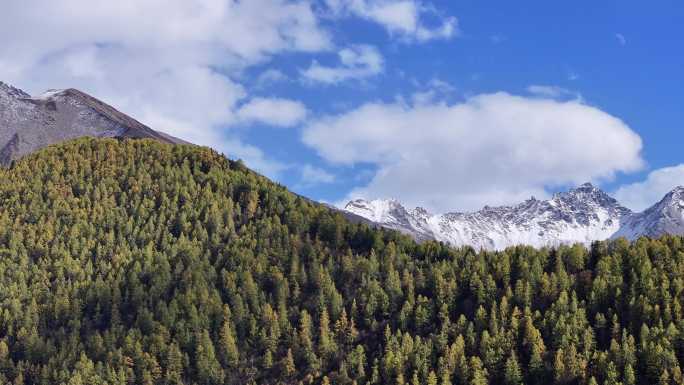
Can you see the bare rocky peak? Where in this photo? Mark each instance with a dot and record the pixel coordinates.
(30, 123)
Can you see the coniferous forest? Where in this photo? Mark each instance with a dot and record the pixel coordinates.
(135, 262)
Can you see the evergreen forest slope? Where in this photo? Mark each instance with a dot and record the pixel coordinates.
(138, 262)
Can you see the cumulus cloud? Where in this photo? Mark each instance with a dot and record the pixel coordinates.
(436, 89)
(170, 63)
(639, 196)
(273, 111)
(356, 62)
(312, 175)
(271, 76)
(404, 18)
(490, 149)
(622, 40)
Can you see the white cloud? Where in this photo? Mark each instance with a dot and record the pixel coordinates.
(621, 38)
(435, 89)
(553, 92)
(312, 175)
(641, 195)
(404, 18)
(271, 76)
(273, 111)
(491, 149)
(356, 62)
(169, 63)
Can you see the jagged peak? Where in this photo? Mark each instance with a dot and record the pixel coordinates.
(376, 209)
(675, 195)
(363, 202)
(584, 188)
(421, 211)
(586, 192)
(12, 91)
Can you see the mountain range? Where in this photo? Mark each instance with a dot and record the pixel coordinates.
(29, 123)
(584, 214)
(581, 215)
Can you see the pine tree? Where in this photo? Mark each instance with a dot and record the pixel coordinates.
(479, 373)
(288, 364)
(512, 373)
(229, 349)
(305, 341)
(325, 340)
(209, 370)
(629, 377)
(174, 365)
(432, 378)
(267, 360)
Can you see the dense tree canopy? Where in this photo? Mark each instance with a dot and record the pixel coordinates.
(135, 262)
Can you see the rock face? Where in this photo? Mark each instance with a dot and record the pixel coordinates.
(583, 215)
(30, 123)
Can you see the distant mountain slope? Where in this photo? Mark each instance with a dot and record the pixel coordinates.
(30, 123)
(584, 214)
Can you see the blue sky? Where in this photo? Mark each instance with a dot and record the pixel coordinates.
(446, 104)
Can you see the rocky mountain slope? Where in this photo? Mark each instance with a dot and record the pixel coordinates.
(665, 217)
(29, 123)
(583, 214)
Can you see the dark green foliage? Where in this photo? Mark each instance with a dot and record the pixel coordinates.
(134, 262)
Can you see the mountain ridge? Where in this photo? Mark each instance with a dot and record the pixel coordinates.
(580, 215)
(29, 123)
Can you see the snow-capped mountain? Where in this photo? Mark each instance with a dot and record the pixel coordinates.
(391, 214)
(29, 123)
(583, 214)
(665, 217)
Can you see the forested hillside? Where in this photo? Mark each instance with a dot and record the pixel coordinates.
(136, 262)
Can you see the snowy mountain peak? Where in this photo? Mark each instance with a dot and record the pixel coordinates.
(582, 214)
(7, 91)
(587, 199)
(665, 217)
(392, 214)
(677, 194)
(674, 200)
(375, 210)
(586, 192)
